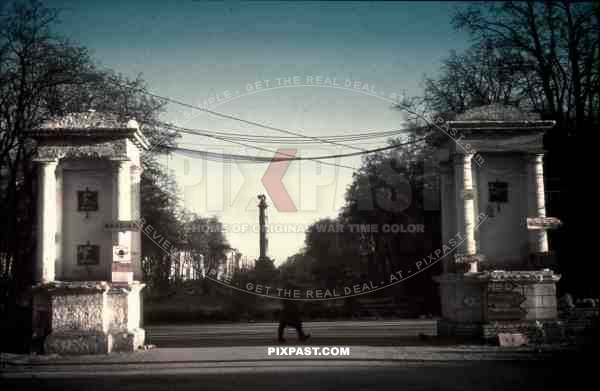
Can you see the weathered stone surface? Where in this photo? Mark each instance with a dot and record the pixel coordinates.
(124, 303)
(113, 149)
(512, 339)
(79, 311)
(77, 343)
(128, 341)
(90, 317)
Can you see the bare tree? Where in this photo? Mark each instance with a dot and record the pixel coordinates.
(559, 42)
(42, 75)
(482, 75)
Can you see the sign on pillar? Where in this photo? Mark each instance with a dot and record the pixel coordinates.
(122, 270)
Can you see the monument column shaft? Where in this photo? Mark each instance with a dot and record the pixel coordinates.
(263, 228)
(538, 239)
(46, 251)
(465, 216)
(263, 234)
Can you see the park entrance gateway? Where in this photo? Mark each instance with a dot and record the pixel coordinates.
(88, 272)
(87, 293)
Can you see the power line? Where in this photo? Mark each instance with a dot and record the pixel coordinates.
(227, 116)
(297, 140)
(274, 159)
(228, 132)
(246, 157)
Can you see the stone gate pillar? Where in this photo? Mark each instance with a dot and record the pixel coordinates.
(493, 203)
(86, 299)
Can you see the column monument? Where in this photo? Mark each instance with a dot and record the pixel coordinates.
(263, 241)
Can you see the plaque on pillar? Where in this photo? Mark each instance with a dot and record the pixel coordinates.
(88, 254)
(87, 201)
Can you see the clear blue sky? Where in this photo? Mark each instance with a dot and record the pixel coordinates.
(192, 50)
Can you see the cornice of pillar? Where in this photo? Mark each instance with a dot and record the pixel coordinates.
(120, 163)
(535, 158)
(45, 160)
(461, 158)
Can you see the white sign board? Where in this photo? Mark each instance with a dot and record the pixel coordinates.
(540, 223)
(121, 254)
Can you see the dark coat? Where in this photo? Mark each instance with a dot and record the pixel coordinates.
(290, 311)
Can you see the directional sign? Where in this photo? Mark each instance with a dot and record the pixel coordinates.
(538, 223)
(121, 225)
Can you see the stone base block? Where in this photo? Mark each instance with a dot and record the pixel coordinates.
(496, 296)
(70, 343)
(536, 331)
(127, 341)
(88, 317)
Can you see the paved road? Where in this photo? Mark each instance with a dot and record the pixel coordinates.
(381, 333)
(466, 367)
(480, 376)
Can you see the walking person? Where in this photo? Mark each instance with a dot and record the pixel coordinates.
(290, 316)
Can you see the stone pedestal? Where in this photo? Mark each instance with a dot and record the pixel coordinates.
(488, 303)
(88, 317)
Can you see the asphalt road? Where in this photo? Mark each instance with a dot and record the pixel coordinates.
(378, 333)
(479, 376)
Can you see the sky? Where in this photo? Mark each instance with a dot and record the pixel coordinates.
(260, 61)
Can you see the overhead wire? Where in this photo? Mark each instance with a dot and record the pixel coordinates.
(265, 126)
(288, 157)
(227, 116)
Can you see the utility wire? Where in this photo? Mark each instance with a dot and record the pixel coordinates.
(227, 116)
(218, 114)
(288, 157)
